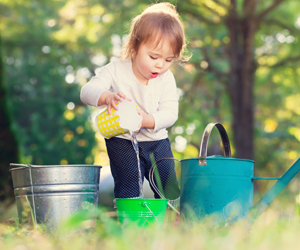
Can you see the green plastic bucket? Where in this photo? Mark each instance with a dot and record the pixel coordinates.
(141, 212)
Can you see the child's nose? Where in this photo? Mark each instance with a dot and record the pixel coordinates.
(159, 64)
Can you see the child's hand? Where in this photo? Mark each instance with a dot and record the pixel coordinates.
(140, 112)
(111, 99)
(140, 125)
(143, 114)
(147, 121)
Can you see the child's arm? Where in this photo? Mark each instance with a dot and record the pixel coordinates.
(92, 91)
(167, 112)
(99, 90)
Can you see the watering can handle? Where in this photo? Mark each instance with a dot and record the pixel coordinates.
(204, 142)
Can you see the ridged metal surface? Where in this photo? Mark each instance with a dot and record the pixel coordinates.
(49, 194)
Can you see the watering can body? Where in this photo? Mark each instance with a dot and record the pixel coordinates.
(223, 186)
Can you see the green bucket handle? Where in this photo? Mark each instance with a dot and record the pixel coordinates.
(144, 204)
(204, 142)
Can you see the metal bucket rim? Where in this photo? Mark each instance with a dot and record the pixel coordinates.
(212, 158)
(142, 199)
(24, 166)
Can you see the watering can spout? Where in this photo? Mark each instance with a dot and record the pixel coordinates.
(274, 191)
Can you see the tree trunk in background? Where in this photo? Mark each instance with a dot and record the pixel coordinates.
(239, 82)
(8, 143)
(241, 78)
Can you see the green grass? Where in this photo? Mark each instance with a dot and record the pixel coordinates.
(272, 230)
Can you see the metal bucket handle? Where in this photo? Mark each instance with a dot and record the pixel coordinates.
(152, 182)
(31, 187)
(204, 142)
(20, 165)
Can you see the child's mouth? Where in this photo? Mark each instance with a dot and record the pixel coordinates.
(154, 75)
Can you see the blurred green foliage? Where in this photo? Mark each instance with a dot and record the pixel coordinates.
(269, 232)
(50, 49)
(8, 144)
(51, 123)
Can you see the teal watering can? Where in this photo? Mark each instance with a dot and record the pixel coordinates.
(223, 186)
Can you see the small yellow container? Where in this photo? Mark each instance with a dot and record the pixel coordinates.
(111, 125)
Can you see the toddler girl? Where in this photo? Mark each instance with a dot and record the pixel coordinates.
(143, 75)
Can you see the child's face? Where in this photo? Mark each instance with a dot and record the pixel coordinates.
(150, 62)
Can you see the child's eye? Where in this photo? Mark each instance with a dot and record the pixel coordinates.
(169, 60)
(153, 58)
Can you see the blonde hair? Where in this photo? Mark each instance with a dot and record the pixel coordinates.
(157, 22)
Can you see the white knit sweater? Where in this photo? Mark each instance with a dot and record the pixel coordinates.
(159, 98)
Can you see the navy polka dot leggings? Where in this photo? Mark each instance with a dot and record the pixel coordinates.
(124, 166)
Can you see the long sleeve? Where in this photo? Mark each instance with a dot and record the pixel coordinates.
(91, 91)
(167, 112)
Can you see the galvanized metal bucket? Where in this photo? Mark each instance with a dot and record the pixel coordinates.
(50, 193)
